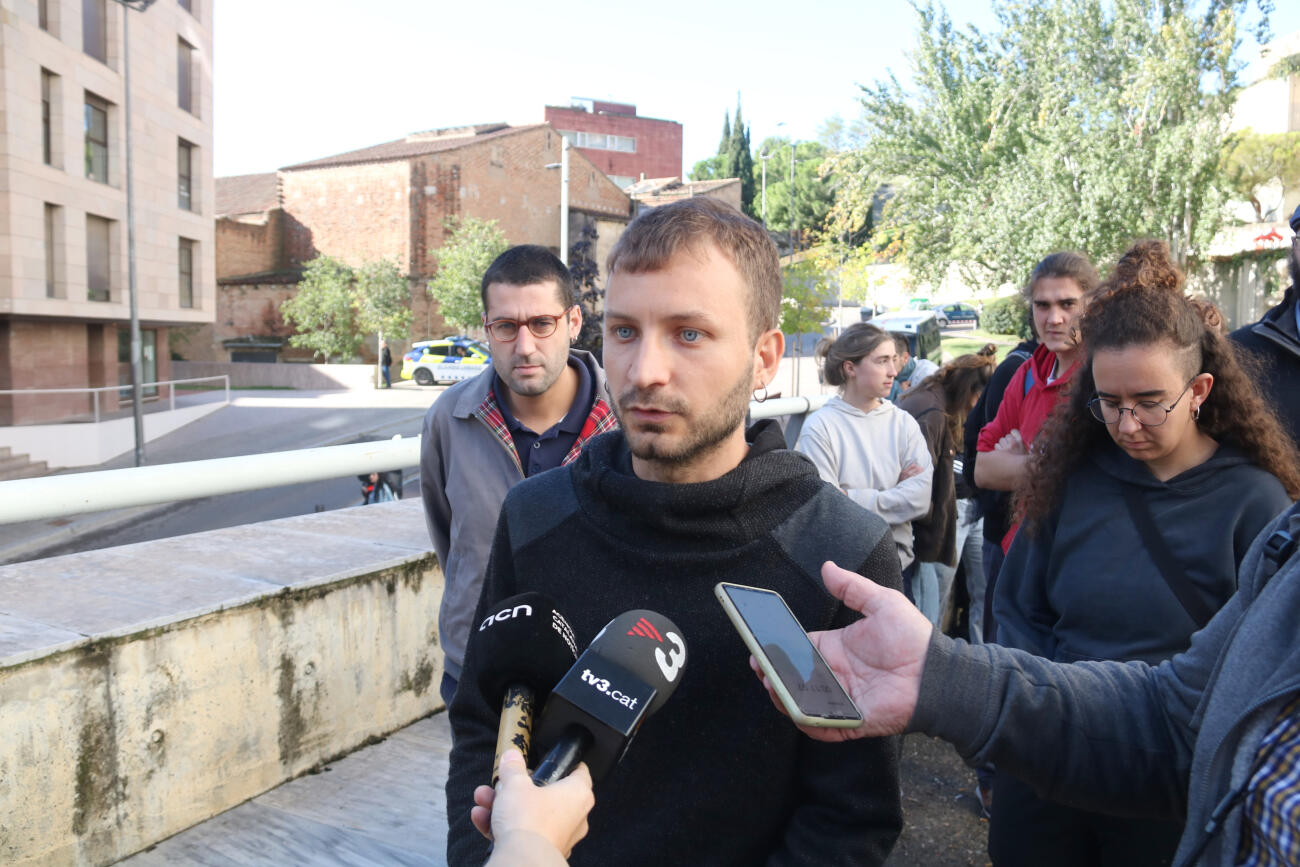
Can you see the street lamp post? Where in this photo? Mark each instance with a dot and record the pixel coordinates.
(563, 166)
(765, 157)
(792, 200)
(137, 364)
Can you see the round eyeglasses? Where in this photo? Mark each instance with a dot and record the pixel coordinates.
(1148, 413)
(507, 330)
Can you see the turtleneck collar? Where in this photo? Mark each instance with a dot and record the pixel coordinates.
(769, 484)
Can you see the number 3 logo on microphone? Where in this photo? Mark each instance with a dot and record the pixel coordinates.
(670, 663)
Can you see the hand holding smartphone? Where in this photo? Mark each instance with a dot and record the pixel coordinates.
(805, 684)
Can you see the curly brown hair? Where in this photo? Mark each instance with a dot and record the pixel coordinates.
(959, 383)
(1141, 304)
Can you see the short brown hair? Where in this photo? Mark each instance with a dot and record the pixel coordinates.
(854, 344)
(1065, 264)
(655, 237)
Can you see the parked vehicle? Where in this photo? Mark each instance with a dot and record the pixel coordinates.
(868, 312)
(451, 359)
(918, 304)
(921, 330)
(948, 314)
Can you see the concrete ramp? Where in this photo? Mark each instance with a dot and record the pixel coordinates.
(147, 688)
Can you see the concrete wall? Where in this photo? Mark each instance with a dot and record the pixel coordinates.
(305, 376)
(138, 699)
(86, 444)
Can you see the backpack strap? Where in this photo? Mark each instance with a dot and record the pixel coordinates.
(1166, 563)
(1029, 380)
(1280, 546)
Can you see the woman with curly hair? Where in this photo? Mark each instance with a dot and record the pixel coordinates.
(940, 405)
(1146, 486)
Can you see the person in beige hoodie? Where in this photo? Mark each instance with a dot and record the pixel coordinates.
(863, 444)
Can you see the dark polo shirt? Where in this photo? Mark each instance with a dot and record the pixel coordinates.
(544, 451)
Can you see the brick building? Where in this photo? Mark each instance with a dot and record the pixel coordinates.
(618, 142)
(391, 200)
(63, 239)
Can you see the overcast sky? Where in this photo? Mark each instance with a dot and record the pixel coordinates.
(296, 81)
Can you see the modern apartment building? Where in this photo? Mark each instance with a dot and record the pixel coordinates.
(64, 303)
(624, 146)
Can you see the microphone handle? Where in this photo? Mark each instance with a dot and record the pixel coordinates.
(516, 726)
(563, 757)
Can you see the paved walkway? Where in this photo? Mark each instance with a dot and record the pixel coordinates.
(381, 805)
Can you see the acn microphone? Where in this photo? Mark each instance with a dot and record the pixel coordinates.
(629, 671)
(522, 647)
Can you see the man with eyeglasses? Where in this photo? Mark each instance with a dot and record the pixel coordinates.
(533, 410)
(1275, 341)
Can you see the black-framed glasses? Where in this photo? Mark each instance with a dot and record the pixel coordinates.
(1148, 413)
(507, 330)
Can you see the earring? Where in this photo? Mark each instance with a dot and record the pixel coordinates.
(758, 399)
(1196, 413)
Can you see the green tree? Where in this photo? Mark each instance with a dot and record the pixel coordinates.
(803, 306)
(590, 297)
(382, 298)
(1256, 159)
(473, 244)
(813, 192)
(740, 162)
(322, 311)
(1077, 124)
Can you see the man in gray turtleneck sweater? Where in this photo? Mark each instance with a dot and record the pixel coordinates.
(652, 517)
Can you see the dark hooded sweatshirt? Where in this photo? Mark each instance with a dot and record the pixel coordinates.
(1083, 586)
(718, 776)
(1274, 342)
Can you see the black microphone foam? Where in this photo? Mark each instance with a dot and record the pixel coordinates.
(631, 668)
(522, 641)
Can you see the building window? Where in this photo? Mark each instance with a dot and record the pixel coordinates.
(94, 29)
(43, 13)
(600, 141)
(52, 258)
(99, 258)
(185, 76)
(96, 124)
(187, 272)
(184, 174)
(187, 5)
(47, 116)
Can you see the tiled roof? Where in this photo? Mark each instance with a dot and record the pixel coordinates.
(247, 194)
(675, 187)
(416, 144)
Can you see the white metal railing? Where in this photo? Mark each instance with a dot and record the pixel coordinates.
(95, 392)
(77, 493)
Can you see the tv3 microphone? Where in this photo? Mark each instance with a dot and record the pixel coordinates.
(521, 649)
(629, 671)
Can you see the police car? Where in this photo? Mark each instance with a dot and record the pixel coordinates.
(448, 360)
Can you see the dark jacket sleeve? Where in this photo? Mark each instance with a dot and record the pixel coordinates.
(1020, 603)
(474, 721)
(1110, 736)
(850, 811)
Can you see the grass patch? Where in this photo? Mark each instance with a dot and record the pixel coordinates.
(974, 341)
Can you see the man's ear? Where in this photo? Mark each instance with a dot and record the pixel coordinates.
(574, 318)
(767, 357)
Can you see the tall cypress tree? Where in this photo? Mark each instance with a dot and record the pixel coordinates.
(741, 161)
(725, 144)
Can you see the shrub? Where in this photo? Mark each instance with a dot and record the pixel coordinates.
(1008, 315)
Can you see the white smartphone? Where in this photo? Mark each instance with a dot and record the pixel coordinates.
(805, 684)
